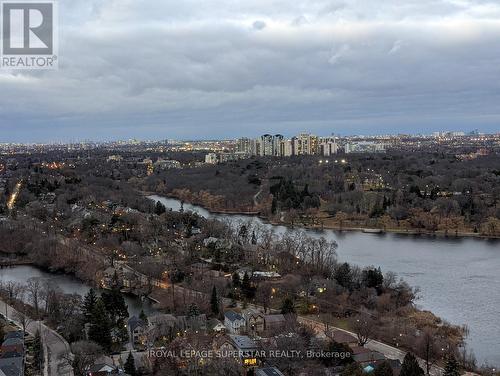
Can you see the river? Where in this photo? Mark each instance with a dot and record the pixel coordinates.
(459, 278)
(69, 285)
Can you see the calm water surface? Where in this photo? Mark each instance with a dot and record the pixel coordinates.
(68, 284)
(459, 278)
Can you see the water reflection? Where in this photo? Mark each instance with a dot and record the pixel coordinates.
(68, 285)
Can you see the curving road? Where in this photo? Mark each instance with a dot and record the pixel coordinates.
(56, 348)
(388, 351)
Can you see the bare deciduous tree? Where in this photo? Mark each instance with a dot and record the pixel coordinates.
(364, 326)
(22, 319)
(34, 287)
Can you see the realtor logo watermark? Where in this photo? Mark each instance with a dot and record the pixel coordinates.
(29, 35)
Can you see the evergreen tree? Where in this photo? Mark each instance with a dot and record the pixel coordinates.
(254, 238)
(100, 325)
(129, 366)
(115, 306)
(245, 284)
(452, 368)
(243, 233)
(236, 279)
(160, 208)
(214, 302)
(89, 303)
(193, 310)
(143, 317)
(246, 287)
(343, 275)
(287, 306)
(373, 278)
(410, 366)
(383, 369)
(37, 351)
(305, 191)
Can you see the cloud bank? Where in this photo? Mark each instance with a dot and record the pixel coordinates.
(186, 69)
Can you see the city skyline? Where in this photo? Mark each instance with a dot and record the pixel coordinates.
(287, 135)
(153, 70)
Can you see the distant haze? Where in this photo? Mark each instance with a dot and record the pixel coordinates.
(153, 69)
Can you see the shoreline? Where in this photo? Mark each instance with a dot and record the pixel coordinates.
(366, 230)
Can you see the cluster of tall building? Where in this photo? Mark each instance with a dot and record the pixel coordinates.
(279, 146)
(451, 134)
(364, 147)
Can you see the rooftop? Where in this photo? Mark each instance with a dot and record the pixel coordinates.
(233, 316)
(243, 342)
(268, 371)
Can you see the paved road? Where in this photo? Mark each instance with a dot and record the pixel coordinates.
(55, 347)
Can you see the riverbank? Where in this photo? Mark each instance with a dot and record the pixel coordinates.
(454, 274)
(401, 231)
(330, 226)
(14, 262)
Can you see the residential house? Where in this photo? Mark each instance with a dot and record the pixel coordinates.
(14, 334)
(274, 322)
(12, 366)
(192, 323)
(340, 336)
(103, 366)
(395, 365)
(13, 345)
(246, 348)
(234, 322)
(12, 354)
(137, 329)
(266, 275)
(365, 357)
(245, 270)
(216, 243)
(162, 320)
(216, 326)
(169, 326)
(254, 321)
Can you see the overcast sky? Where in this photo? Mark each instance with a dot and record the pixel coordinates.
(157, 69)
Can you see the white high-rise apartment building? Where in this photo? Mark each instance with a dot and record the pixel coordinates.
(244, 145)
(328, 146)
(266, 145)
(304, 144)
(277, 140)
(287, 148)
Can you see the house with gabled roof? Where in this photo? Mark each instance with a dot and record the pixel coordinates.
(234, 322)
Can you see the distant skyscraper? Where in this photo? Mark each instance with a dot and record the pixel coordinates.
(313, 145)
(244, 145)
(287, 148)
(365, 147)
(211, 158)
(279, 146)
(277, 140)
(328, 146)
(304, 143)
(266, 145)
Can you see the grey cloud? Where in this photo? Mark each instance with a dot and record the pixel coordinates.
(133, 63)
(259, 25)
